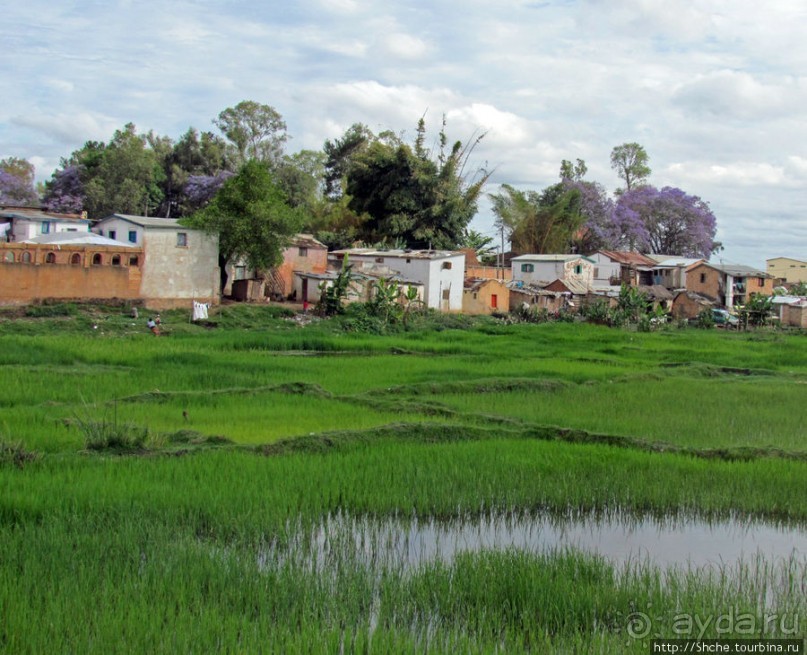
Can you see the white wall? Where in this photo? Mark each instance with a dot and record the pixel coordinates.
(549, 271)
(430, 272)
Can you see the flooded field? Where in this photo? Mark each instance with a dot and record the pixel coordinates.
(681, 542)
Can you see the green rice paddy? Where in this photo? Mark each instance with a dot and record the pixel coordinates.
(251, 433)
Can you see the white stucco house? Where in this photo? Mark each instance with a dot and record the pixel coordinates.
(180, 264)
(541, 270)
(441, 272)
(23, 223)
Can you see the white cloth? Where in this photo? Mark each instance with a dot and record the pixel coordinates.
(200, 311)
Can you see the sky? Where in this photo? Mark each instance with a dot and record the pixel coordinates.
(714, 90)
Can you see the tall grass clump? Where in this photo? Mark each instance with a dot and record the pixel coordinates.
(109, 433)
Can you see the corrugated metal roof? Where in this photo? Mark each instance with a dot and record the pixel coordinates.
(738, 270)
(37, 214)
(550, 258)
(399, 254)
(147, 221)
(78, 239)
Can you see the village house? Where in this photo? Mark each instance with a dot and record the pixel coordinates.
(540, 270)
(362, 287)
(670, 271)
(787, 269)
(441, 272)
(180, 264)
(728, 285)
(20, 223)
(304, 254)
(485, 296)
(613, 268)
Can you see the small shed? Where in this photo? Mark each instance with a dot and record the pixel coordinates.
(688, 304)
(485, 296)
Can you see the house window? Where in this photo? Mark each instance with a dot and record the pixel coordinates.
(101, 232)
(596, 272)
(446, 265)
(527, 268)
(50, 258)
(494, 300)
(45, 227)
(379, 260)
(302, 252)
(26, 257)
(97, 260)
(761, 281)
(446, 294)
(408, 260)
(75, 259)
(182, 239)
(132, 236)
(578, 269)
(475, 296)
(112, 234)
(116, 260)
(134, 260)
(703, 278)
(8, 257)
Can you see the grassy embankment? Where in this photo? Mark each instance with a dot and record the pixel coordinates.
(162, 553)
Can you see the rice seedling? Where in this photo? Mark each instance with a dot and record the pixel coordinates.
(212, 533)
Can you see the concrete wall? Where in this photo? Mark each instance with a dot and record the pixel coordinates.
(174, 275)
(489, 272)
(795, 315)
(22, 283)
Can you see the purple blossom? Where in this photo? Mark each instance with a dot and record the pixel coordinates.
(200, 189)
(66, 191)
(16, 191)
(666, 221)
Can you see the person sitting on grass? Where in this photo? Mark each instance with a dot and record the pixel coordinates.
(153, 326)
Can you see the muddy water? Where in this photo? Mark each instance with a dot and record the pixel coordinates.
(675, 542)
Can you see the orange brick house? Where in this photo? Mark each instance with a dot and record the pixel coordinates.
(728, 284)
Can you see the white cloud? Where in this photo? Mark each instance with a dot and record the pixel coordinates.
(740, 174)
(406, 46)
(73, 129)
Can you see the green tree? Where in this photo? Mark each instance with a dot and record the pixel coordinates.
(539, 223)
(481, 244)
(252, 218)
(412, 195)
(630, 161)
(256, 131)
(340, 155)
(573, 172)
(127, 176)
